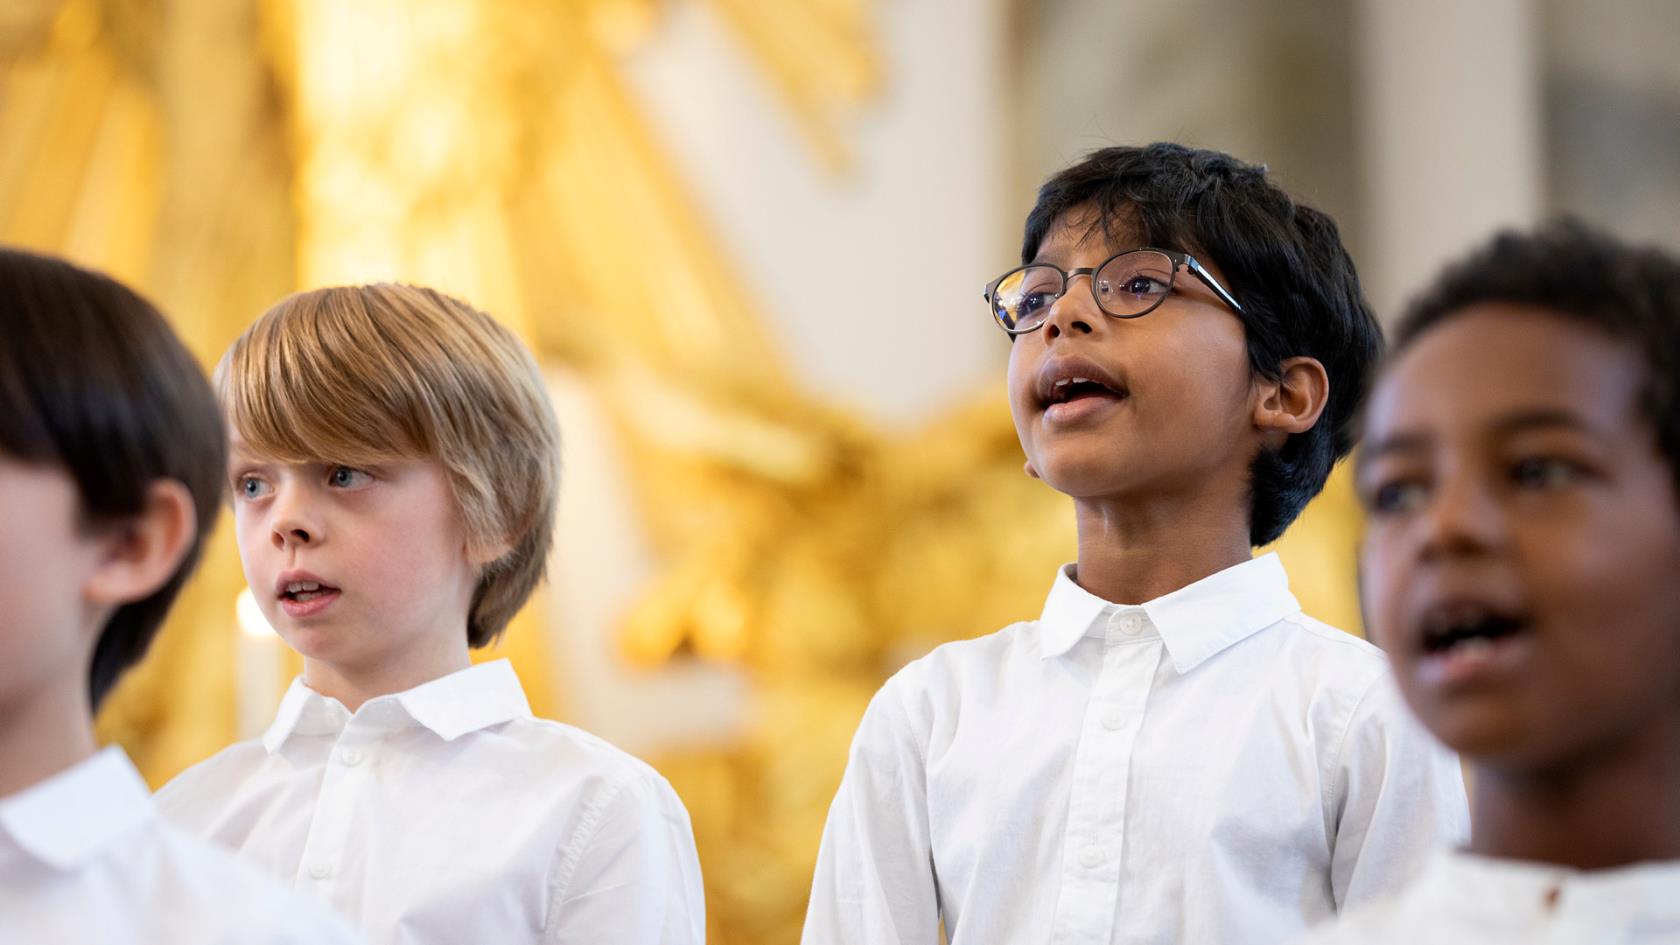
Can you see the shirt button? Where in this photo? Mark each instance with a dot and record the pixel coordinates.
(1090, 858)
(320, 871)
(1113, 721)
(351, 756)
(1130, 623)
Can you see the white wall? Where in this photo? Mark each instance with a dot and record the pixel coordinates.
(871, 278)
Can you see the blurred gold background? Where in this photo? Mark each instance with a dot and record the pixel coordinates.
(799, 539)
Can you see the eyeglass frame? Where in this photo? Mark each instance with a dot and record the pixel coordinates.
(1179, 260)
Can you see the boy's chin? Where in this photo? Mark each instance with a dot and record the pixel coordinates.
(1086, 477)
(314, 642)
(1501, 738)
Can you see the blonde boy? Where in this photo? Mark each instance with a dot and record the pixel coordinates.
(394, 465)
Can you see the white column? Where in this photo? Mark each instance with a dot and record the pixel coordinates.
(1451, 111)
(258, 661)
(871, 278)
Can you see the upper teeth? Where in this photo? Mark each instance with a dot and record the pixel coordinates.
(1457, 618)
(300, 586)
(1073, 380)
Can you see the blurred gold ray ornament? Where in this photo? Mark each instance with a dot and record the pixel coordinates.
(492, 149)
(116, 153)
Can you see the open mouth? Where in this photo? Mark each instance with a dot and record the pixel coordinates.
(1467, 643)
(1072, 389)
(305, 597)
(303, 592)
(1466, 628)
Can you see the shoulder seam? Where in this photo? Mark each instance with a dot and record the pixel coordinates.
(1347, 732)
(589, 825)
(1324, 631)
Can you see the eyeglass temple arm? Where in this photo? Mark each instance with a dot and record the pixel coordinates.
(1212, 283)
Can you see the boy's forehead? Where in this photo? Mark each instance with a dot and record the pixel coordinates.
(1546, 362)
(239, 451)
(242, 450)
(1084, 228)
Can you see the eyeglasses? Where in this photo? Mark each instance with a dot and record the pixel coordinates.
(1129, 284)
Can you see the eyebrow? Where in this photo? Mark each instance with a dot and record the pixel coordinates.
(1537, 418)
(1522, 421)
(1398, 443)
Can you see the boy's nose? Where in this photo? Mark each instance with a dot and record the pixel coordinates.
(1074, 312)
(292, 524)
(1461, 519)
(291, 536)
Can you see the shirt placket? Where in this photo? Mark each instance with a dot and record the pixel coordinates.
(348, 770)
(1605, 915)
(1095, 838)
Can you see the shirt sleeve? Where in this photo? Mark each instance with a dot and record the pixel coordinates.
(1397, 796)
(635, 879)
(874, 880)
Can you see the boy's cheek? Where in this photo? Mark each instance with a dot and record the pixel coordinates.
(1385, 575)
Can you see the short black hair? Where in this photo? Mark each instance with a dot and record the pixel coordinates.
(93, 381)
(1630, 293)
(1283, 260)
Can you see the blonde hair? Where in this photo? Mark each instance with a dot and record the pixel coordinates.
(364, 374)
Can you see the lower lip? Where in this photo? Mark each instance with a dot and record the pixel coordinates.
(299, 609)
(1082, 408)
(1457, 668)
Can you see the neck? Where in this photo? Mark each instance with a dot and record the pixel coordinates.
(354, 684)
(45, 731)
(1131, 553)
(1613, 808)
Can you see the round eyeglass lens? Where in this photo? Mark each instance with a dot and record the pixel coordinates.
(1131, 284)
(1023, 297)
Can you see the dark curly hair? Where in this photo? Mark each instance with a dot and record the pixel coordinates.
(1630, 293)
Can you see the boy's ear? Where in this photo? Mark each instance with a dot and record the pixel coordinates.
(140, 554)
(483, 555)
(1292, 403)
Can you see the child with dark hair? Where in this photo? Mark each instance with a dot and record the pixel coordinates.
(1522, 477)
(111, 453)
(1172, 752)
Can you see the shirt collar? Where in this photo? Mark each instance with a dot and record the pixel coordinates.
(1483, 885)
(70, 817)
(450, 706)
(1194, 622)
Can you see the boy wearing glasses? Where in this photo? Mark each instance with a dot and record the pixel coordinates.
(394, 464)
(1524, 536)
(1172, 752)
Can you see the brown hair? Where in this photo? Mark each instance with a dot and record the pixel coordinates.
(94, 382)
(360, 374)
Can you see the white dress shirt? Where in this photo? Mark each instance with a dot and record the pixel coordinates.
(85, 859)
(1461, 899)
(1209, 767)
(449, 814)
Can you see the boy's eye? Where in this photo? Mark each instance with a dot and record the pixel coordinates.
(1397, 496)
(1137, 285)
(1544, 472)
(250, 487)
(1033, 302)
(347, 477)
